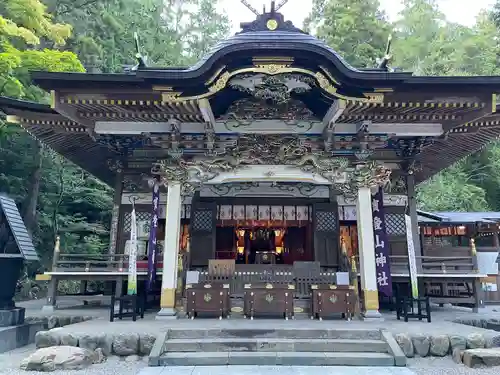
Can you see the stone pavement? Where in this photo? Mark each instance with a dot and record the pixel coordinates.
(271, 370)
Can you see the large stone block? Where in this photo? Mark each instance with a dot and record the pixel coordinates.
(146, 342)
(459, 342)
(476, 341)
(440, 345)
(482, 357)
(58, 358)
(405, 343)
(125, 344)
(88, 341)
(45, 339)
(69, 339)
(422, 344)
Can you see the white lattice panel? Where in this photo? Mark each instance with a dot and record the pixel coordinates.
(264, 212)
(303, 213)
(276, 212)
(341, 212)
(226, 212)
(290, 212)
(251, 212)
(186, 211)
(350, 213)
(239, 212)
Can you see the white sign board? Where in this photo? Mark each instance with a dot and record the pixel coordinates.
(487, 263)
(411, 258)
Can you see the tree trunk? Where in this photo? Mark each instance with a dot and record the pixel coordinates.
(31, 200)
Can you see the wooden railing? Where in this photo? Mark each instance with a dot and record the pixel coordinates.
(433, 264)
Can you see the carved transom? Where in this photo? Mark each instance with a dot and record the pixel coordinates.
(292, 151)
(276, 89)
(246, 111)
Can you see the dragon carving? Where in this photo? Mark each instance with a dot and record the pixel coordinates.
(272, 150)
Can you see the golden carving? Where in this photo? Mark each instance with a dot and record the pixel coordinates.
(325, 84)
(216, 74)
(167, 299)
(207, 297)
(269, 286)
(272, 24)
(333, 298)
(269, 298)
(220, 83)
(371, 299)
(171, 96)
(272, 66)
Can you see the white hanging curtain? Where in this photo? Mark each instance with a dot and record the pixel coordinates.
(132, 258)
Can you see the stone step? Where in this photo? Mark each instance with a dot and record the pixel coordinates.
(274, 344)
(282, 333)
(275, 359)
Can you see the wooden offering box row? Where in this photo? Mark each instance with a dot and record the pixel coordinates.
(270, 299)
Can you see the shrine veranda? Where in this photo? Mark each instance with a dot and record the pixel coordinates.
(268, 155)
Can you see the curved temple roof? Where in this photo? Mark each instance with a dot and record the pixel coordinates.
(267, 47)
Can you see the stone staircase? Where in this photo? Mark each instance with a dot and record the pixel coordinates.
(287, 347)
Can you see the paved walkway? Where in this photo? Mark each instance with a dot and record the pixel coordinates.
(441, 321)
(270, 370)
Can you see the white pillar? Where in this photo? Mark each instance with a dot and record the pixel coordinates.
(367, 253)
(170, 251)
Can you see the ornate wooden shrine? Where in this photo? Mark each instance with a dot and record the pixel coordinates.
(271, 131)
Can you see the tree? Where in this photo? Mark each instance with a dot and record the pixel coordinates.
(26, 35)
(173, 33)
(452, 190)
(356, 29)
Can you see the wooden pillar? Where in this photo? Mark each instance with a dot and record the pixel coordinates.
(52, 290)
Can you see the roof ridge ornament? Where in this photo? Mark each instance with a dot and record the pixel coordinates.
(141, 59)
(268, 21)
(383, 63)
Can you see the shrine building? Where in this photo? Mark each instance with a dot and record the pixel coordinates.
(272, 160)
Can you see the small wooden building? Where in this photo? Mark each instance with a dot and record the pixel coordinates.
(449, 234)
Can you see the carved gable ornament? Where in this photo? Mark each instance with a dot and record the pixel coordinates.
(290, 151)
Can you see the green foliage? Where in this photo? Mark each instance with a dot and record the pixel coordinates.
(68, 201)
(357, 29)
(425, 43)
(173, 33)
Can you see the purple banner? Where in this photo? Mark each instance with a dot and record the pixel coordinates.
(152, 237)
(382, 262)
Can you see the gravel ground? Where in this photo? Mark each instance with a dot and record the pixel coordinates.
(9, 365)
(446, 366)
